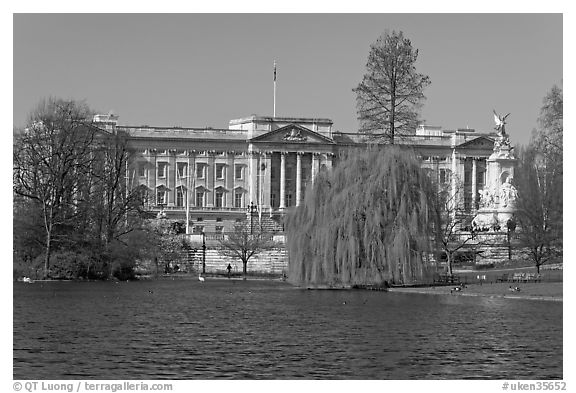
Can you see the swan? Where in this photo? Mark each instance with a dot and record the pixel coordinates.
(200, 278)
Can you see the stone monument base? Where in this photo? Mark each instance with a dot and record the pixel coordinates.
(492, 219)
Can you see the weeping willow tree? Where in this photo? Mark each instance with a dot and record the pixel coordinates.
(365, 222)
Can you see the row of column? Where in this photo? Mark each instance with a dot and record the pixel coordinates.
(459, 173)
(259, 184)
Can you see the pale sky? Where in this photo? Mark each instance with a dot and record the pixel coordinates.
(201, 70)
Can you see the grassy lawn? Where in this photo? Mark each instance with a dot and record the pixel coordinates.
(541, 290)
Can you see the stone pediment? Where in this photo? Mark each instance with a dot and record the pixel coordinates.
(481, 142)
(293, 133)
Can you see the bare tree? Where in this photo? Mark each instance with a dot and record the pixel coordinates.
(539, 182)
(450, 222)
(50, 158)
(391, 91)
(539, 207)
(114, 197)
(242, 244)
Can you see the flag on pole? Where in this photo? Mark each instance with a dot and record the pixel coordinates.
(274, 71)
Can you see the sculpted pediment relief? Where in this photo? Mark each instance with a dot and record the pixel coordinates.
(293, 134)
(478, 143)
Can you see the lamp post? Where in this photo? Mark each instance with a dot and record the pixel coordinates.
(203, 253)
(187, 213)
(252, 208)
(510, 226)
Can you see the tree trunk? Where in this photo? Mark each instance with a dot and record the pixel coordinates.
(244, 268)
(47, 256)
(48, 222)
(449, 258)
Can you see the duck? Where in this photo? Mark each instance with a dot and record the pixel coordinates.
(456, 289)
(514, 289)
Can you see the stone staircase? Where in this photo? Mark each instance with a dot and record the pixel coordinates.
(273, 261)
(267, 223)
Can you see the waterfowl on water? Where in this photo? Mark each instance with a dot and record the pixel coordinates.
(514, 289)
(200, 278)
(456, 289)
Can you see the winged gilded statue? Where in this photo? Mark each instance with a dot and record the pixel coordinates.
(500, 123)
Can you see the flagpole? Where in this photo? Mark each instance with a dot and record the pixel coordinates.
(274, 88)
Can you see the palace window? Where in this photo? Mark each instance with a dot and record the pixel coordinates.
(220, 171)
(444, 176)
(200, 199)
(238, 171)
(197, 229)
(467, 201)
(182, 169)
(289, 199)
(161, 197)
(219, 199)
(200, 171)
(238, 199)
(219, 228)
(480, 179)
(273, 199)
(180, 194)
(467, 177)
(142, 195)
(162, 169)
(141, 169)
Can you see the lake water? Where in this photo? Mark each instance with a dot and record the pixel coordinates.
(184, 329)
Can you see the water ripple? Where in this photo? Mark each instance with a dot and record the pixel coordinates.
(269, 330)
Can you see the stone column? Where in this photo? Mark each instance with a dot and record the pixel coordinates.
(266, 173)
(230, 179)
(453, 184)
(154, 178)
(210, 175)
(298, 177)
(474, 190)
(329, 158)
(253, 178)
(315, 166)
(283, 179)
(192, 173)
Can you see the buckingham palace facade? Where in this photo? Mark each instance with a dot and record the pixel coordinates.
(262, 166)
